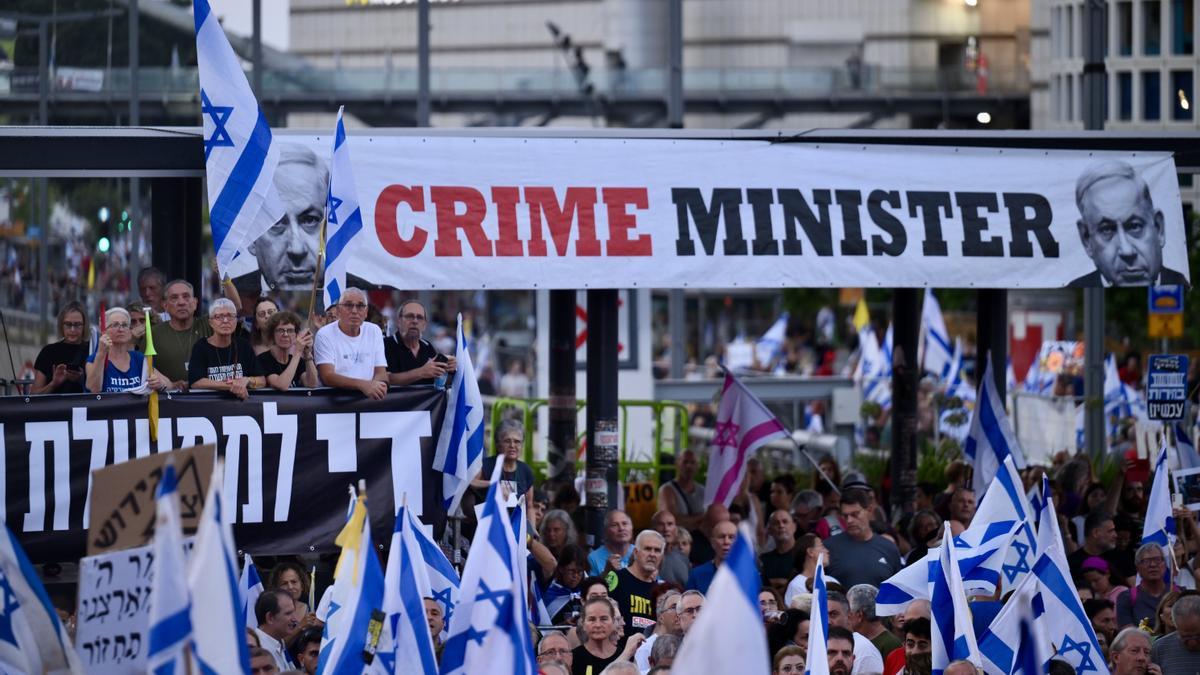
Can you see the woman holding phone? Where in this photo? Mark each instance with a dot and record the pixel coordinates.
(59, 366)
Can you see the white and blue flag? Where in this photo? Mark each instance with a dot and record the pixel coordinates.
(770, 345)
(953, 638)
(936, 339)
(1159, 526)
(443, 578)
(728, 637)
(240, 155)
(991, 438)
(1185, 449)
(409, 647)
(32, 639)
(1063, 621)
(170, 630)
(217, 614)
(357, 602)
(1005, 650)
(490, 629)
(460, 444)
(817, 662)
(250, 586)
(345, 218)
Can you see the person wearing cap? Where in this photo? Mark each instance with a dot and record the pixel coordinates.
(1098, 576)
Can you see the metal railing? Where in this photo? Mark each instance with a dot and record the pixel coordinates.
(102, 83)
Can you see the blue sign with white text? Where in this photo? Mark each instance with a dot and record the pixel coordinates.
(1166, 387)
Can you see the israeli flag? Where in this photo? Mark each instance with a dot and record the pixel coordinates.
(770, 345)
(936, 338)
(460, 444)
(240, 155)
(345, 218)
(490, 629)
(218, 613)
(873, 371)
(817, 662)
(991, 438)
(1185, 449)
(728, 637)
(351, 631)
(32, 640)
(250, 586)
(406, 585)
(443, 578)
(1063, 621)
(980, 553)
(953, 638)
(994, 552)
(170, 633)
(1003, 647)
(1049, 537)
(1159, 526)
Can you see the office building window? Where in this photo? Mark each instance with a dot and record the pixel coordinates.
(1125, 28)
(1125, 96)
(1069, 43)
(1151, 95)
(1181, 95)
(1152, 27)
(1069, 95)
(1183, 22)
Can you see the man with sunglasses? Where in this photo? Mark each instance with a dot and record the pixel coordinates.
(412, 359)
(349, 353)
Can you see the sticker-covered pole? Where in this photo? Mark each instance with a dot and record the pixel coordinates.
(600, 481)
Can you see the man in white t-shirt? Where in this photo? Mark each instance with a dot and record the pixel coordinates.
(349, 353)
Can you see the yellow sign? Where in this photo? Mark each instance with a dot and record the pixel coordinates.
(641, 501)
(1165, 325)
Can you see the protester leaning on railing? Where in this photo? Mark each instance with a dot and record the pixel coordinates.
(59, 368)
(288, 363)
(116, 366)
(224, 361)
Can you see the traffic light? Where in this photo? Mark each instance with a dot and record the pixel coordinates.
(102, 244)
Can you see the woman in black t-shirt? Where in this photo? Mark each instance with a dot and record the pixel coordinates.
(516, 478)
(597, 650)
(59, 368)
(288, 363)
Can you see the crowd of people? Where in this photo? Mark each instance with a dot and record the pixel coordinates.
(342, 347)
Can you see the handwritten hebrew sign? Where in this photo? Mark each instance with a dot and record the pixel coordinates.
(122, 507)
(114, 611)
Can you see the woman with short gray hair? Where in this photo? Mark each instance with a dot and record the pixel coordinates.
(516, 478)
(116, 365)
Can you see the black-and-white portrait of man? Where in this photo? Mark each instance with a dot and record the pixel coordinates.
(287, 252)
(1121, 230)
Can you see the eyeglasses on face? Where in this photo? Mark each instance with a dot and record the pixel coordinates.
(119, 325)
(264, 313)
(413, 317)
(72, 324)
(224, 317)
(285, 331)
(353, 306)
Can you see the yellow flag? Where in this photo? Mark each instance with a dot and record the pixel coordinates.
(350, 539)
(91, 274)
(152, 401)
(861, 316)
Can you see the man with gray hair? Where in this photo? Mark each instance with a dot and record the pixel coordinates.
(960, 667)
(349, 353)
(620, 668)
(1179, 652)
(221, 361)
(1121, 230)
(668, 624)
(664, 651)
(633, 586)
(806, 509)
(287, 251)
(1141, 602)
(174, 339)
(863, 621)
(1130, 654)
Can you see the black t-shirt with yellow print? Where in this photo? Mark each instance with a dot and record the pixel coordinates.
(634, 597)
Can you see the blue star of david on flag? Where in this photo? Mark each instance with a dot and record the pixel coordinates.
(1085, 652)
(334, 203)
(9, 605)
(219, 114)
(1011, 571)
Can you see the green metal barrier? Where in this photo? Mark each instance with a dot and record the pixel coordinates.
(665, 443)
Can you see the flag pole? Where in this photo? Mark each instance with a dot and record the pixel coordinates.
(319, 272)
(152, 401)
(800, 448)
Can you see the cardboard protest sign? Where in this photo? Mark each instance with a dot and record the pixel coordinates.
(122, 506)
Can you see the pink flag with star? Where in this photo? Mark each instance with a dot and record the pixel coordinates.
(743, 425)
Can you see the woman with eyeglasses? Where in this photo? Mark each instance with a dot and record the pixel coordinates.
(289, 361)
(223, 361)
(261, 338)
(116, 366)
(59, 366)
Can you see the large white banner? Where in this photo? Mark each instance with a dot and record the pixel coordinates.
(469, 213)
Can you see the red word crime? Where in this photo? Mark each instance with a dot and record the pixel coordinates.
(569, 221)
